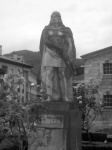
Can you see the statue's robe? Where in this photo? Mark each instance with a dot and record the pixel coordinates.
(51, 57)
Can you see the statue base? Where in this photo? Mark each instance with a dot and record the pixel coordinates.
(59, 128)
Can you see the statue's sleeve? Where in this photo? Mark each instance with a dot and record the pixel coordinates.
(43, 39)
(72, 51)
(41, 44)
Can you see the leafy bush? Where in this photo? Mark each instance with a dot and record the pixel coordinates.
(90, 103)
(16, 119)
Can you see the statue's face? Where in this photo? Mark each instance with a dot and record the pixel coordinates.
(56, 19)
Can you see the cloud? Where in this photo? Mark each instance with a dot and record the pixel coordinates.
(22, 22)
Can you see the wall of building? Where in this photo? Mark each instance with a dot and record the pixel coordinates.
(13, 69)
(94, 69)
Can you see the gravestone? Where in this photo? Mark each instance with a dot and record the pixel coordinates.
(59, 128)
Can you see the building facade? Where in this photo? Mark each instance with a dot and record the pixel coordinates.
(98, 66)
(18, 67)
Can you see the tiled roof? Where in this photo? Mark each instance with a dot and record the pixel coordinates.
(96, 53)
(14, 62)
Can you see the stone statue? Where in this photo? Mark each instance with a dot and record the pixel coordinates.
(57, 50)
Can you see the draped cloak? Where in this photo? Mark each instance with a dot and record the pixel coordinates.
(49, 57)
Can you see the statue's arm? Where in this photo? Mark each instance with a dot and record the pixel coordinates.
(69, 44)
(71, 48)
(44, 41)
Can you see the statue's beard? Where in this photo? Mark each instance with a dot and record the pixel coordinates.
(56, 24)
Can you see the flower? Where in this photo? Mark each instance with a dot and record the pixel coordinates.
(80, 102)
(80, 97)
(5, 78)
(21, 80)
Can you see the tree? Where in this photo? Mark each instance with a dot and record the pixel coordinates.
(16, 120)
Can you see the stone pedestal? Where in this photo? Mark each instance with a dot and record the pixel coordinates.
(59, 129)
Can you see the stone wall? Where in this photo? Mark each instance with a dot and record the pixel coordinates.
(94, 69)
(103, 122)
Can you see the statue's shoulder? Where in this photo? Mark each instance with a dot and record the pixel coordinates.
(47, 27)
(67, 30)
(64, 29)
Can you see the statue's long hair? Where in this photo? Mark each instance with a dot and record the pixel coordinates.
(52, 21)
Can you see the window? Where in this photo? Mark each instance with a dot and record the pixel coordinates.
(18, 88)
(107, 100)
(5, 68)
(18, 72)
(22, 88)
(107, 68)
(25, 74)
(1, 82)
(22, 99)
(2, 72)
(18, 100)
(11, 71)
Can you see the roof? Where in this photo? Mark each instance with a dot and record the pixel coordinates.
(96, 53)
(14, 62)
(33, 72)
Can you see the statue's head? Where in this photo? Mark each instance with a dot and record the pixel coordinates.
(56, 19)
(55, 16)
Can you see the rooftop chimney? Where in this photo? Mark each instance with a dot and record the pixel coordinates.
(14, 55)
(0, 50)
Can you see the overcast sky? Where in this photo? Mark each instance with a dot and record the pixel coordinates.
(22, 21)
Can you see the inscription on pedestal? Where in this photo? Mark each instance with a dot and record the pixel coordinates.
(51, 121)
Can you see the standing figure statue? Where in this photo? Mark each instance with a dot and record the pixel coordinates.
(58, 51)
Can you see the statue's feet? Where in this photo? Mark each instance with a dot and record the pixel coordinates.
(48, 99)
(65, 99)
